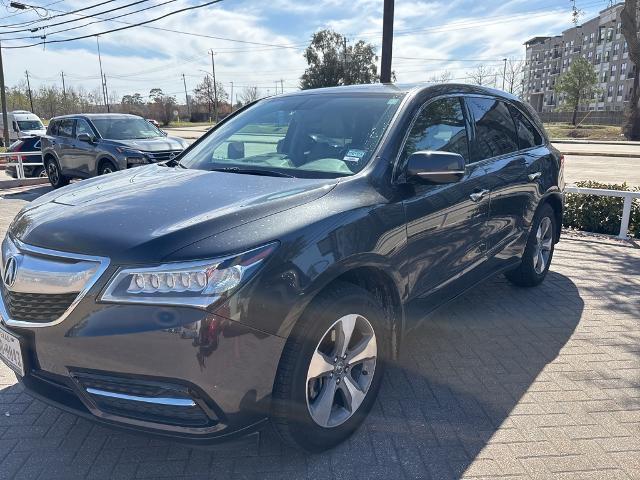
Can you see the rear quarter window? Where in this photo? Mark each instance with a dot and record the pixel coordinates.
(53, 128)
(528, 135)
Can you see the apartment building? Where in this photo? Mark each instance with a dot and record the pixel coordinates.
(600, 41)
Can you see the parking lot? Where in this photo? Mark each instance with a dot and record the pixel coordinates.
(502, 383)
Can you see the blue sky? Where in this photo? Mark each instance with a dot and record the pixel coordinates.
(432, 36)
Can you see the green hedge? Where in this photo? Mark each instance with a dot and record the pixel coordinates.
(593, 213)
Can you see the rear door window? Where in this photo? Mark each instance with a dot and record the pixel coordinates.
(528, 136)
(53, 128)
(495, 130)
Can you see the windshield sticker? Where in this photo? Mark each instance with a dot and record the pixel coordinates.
(354, 155)
(392, 101)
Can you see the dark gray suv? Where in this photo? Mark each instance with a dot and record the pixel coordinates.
(82, 146)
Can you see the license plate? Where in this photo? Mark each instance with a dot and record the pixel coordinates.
(10, 351)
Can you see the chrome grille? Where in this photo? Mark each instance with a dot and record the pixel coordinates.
(162, 155)
(45, 284)
(36, 307)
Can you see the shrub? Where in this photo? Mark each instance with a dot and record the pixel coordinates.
(593, 213)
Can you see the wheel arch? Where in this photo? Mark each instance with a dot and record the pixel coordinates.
(376, 280)
(554, 199)
(104, 159)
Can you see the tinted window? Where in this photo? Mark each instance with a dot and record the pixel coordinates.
(495, 131)
(528, 136)
(65, 128)
(440, 126)
(53, 128)
(83, 127)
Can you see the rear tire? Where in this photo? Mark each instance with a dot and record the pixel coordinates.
(313, 375)
(56, 178)
(538, 253)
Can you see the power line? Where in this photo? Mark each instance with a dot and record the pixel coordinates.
(56, 16)
(75, 19)
(95, 21)
(194, 7)
(25, 11)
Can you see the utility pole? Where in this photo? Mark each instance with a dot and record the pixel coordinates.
(504, 73)
(344, 61)
(231, 97)
(104, 94)
(277, 82)
(215, 87)
(26, 72)
(281, 86)
(186, 96)
(64, 94)
(387, 42)
(3, 100)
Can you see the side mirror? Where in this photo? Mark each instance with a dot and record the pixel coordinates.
(436, 166)
(235, 150)
(85, 137)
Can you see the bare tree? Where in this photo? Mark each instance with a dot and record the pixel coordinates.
(248, 95)
(513, 76)
(443, 77)
(482, 75)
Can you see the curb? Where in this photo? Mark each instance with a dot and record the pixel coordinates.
(601, 154)
(592, 142)
(22, 182)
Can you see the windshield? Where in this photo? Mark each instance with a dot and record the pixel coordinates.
(125, 128)
(30, 125)
(312, 135)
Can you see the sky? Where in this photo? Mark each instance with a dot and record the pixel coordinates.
(261, 43)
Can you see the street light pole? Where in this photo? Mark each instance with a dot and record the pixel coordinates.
(215, 88)
(387, 42)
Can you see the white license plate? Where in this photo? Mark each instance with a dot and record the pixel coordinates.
(10, 351)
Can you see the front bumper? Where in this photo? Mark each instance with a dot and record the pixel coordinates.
(173, 371)
(212, 377)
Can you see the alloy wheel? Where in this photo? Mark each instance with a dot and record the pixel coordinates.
(341, 370)
(52, 172)
(544, 243)
(43, 174)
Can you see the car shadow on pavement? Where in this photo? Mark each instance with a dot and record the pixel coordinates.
(459, 377)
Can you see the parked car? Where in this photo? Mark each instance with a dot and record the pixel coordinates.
(83, 146)
(22, 124)
(27, 144)
(274, 270)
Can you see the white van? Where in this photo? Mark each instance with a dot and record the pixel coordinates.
(22, 124)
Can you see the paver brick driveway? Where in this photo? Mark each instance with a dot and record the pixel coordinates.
(502, 383)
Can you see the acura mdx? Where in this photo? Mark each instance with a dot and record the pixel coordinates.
(269, 273)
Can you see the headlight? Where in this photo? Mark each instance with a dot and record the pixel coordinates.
(196, 284)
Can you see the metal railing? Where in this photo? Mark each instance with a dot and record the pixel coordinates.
(17, 159)
(626, 206)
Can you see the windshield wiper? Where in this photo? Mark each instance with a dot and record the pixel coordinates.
(251, 171)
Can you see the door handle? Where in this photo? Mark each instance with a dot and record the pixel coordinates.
(534, 176)
(477, 196)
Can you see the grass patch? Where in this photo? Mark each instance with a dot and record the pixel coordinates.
(586, 132)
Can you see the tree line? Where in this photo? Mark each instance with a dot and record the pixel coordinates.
(49, 101)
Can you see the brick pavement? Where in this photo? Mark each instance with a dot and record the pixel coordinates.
(504, 383)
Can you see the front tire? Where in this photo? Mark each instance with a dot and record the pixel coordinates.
(56, 178)
(106, 167)
(538, 253)
(331, 369)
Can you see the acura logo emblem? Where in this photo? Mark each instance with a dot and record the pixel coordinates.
(10, 271)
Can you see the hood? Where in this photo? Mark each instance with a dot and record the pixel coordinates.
(144, 214)
(156, 144)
